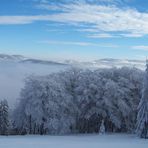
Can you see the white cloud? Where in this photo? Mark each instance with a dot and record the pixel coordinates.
(140, 47)
(142, 57)
(105, 19)
(136, 35)
(56, 42)
(7, 20)
(69, 43)
(101, 35)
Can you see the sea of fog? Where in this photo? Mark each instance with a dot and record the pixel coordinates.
(13, 74)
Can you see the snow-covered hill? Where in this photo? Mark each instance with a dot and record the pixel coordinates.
(5, 57)
(109, 63)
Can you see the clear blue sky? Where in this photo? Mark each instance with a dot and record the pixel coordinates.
(74, 29)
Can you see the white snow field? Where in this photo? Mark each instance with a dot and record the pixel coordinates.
(74, 141)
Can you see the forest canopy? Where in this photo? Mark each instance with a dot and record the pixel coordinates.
(78, 101)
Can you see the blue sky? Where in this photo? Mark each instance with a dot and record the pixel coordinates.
(74, 29)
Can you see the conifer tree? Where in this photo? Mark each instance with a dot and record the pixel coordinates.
(4, 117)
(142, 117)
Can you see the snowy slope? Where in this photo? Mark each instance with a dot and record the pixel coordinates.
(77, 141)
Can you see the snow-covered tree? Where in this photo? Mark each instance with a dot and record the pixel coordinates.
(4, 117)
(78, 100)
(102, 128)
(142, 117)
(42, 108)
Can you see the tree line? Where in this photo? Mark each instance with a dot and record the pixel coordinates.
(80, 101)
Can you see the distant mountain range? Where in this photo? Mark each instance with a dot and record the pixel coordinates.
(22, 59)
(11, 57)
(100, 63)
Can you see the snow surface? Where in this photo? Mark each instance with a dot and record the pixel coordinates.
(74, 141)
